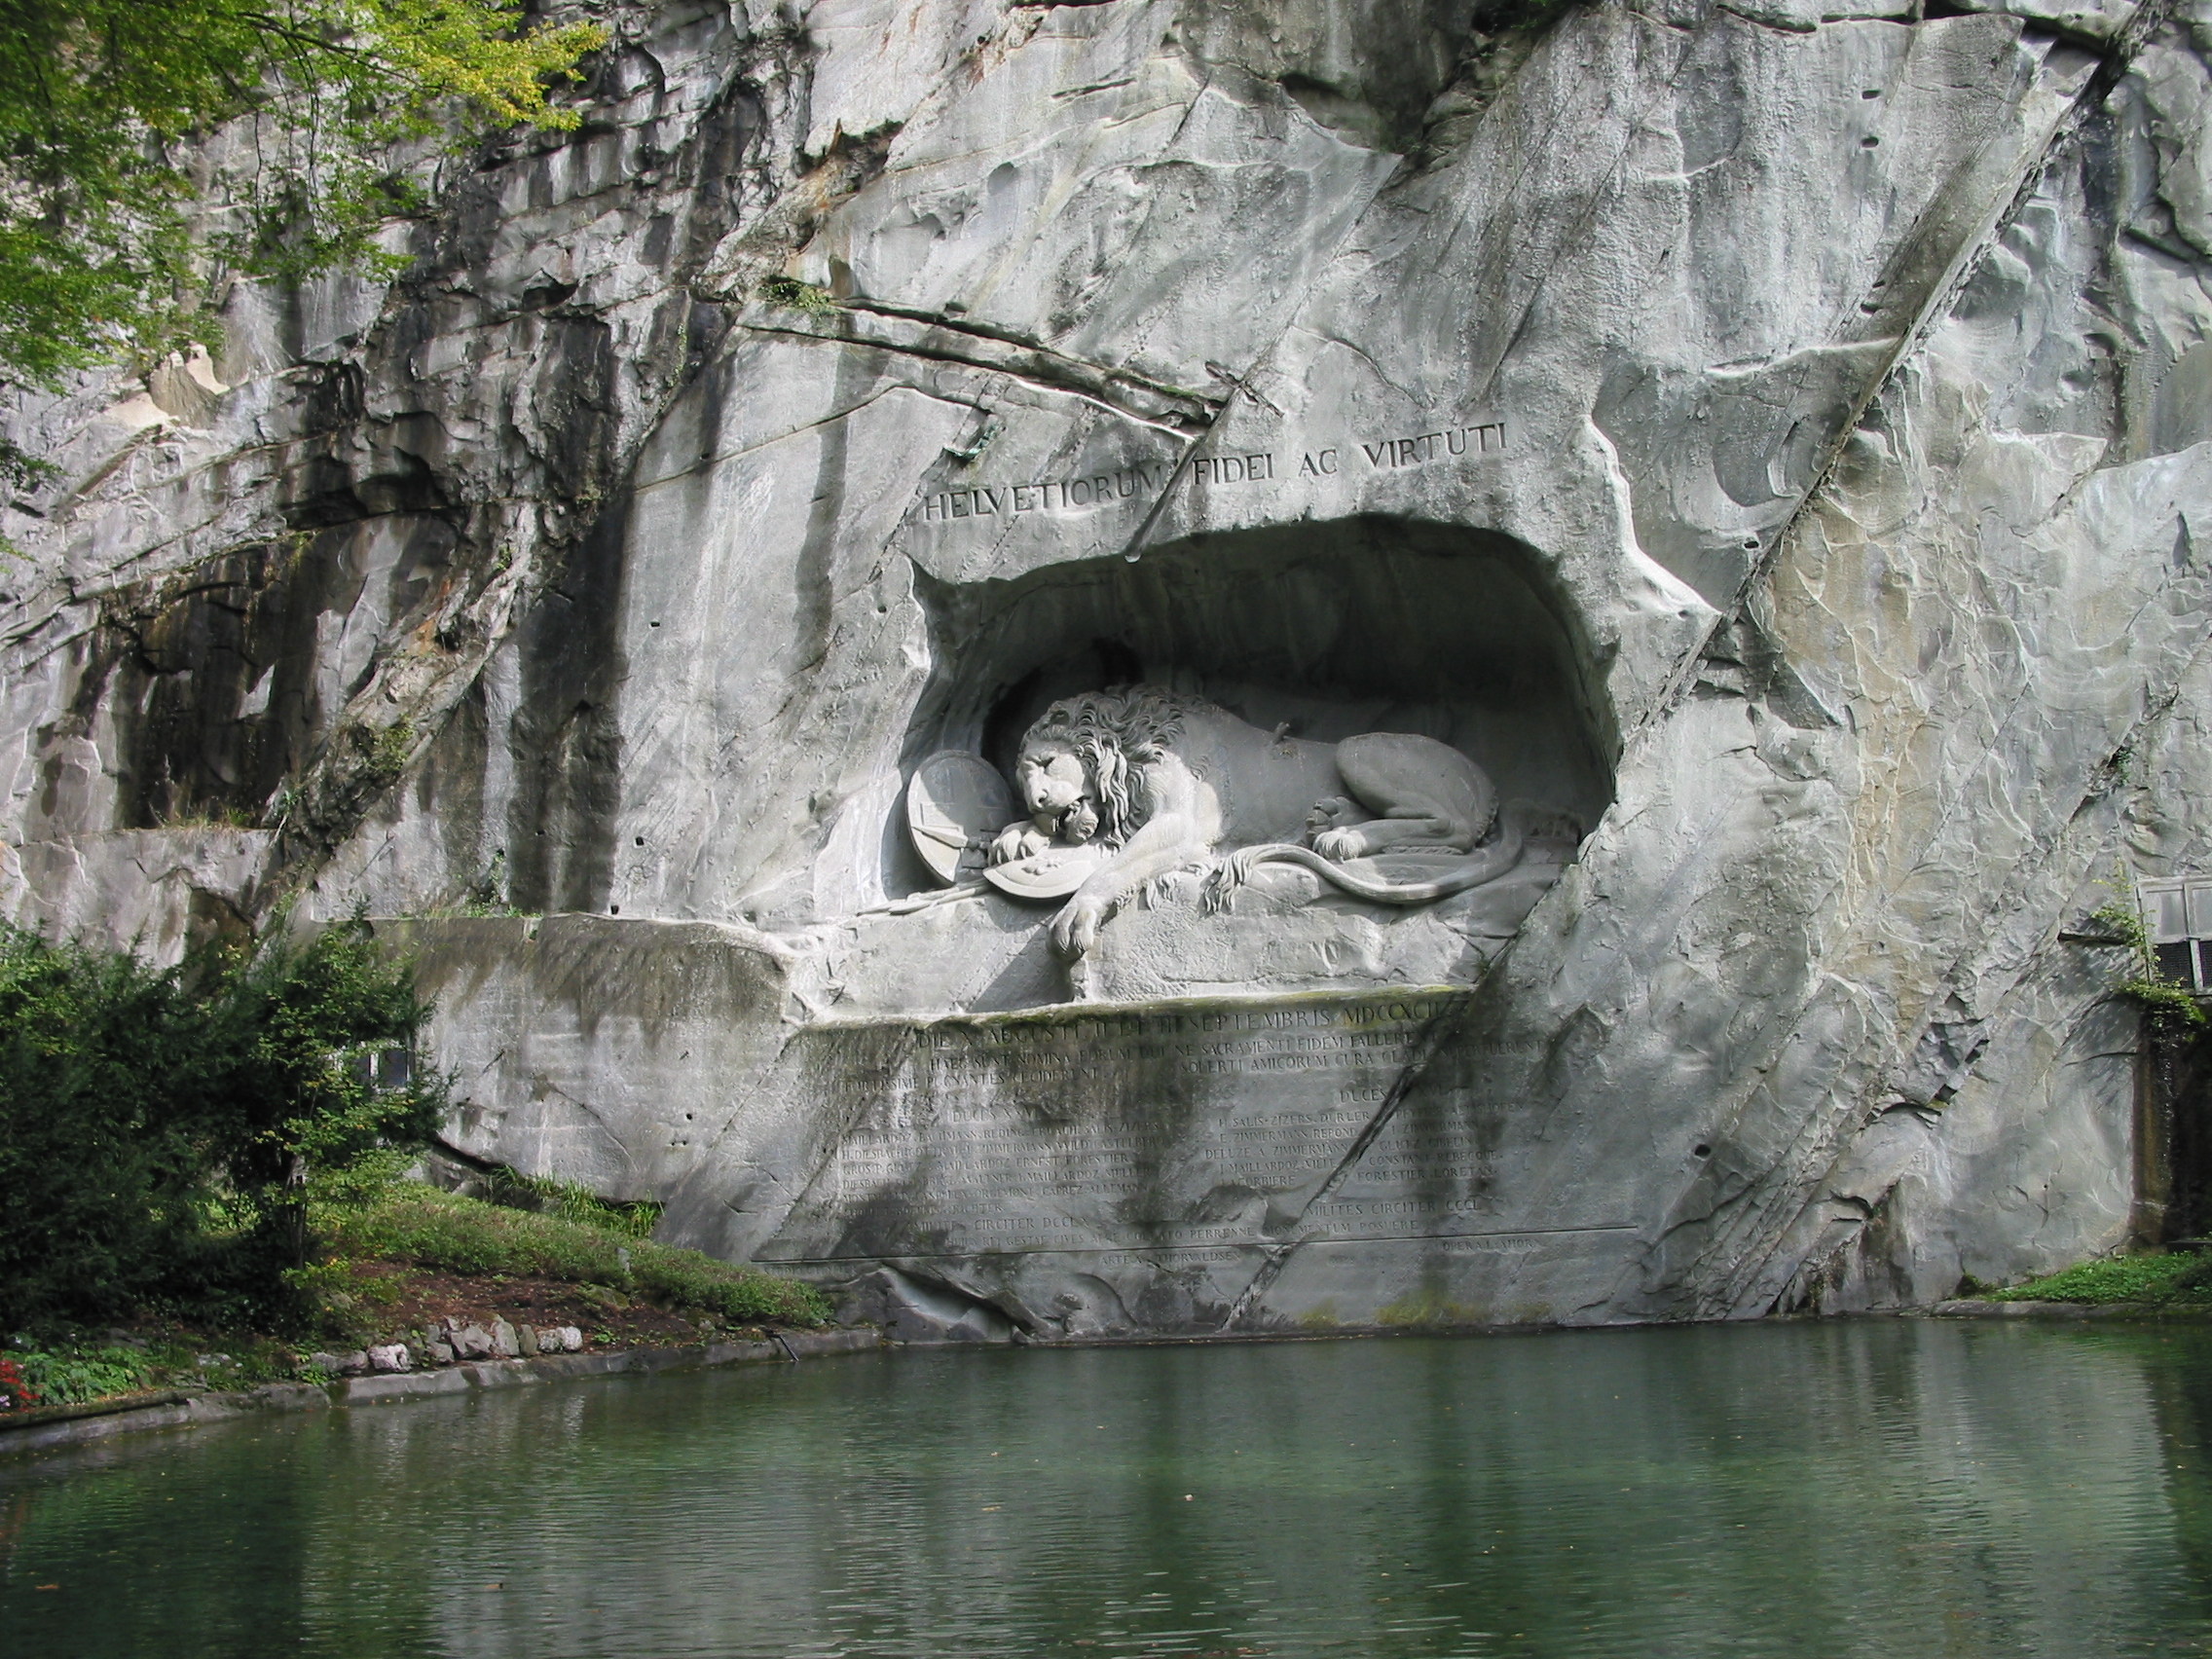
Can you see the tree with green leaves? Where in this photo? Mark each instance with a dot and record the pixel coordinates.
(155, 149)
(163, 1130)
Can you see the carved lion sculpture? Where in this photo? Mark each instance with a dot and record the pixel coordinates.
(1168, 783)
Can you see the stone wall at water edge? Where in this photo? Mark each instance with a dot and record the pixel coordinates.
(1192, 666)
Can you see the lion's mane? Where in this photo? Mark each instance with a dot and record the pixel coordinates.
(1116, 733)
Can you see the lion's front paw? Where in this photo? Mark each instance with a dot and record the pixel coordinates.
(1018, 841)
(1342, 844)
(1330, 812)
(1075, 930)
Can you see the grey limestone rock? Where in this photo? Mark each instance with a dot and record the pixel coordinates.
(909, 1309)
(1772, 445)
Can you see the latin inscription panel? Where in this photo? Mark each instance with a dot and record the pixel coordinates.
(1178, 1128)
(1139, 485)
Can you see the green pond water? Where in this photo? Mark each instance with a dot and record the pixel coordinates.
(1868, 1487)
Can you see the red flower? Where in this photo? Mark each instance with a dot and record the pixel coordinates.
(15, 1393)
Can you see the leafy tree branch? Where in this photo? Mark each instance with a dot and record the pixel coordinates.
(151, 151)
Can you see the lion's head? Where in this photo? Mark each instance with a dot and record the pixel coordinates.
(1082, 767)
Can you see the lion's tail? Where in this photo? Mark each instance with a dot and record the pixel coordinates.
(1487, 864)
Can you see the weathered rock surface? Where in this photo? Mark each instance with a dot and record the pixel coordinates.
(1779, 439)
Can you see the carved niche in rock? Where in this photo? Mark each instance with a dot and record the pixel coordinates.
(1126, 788)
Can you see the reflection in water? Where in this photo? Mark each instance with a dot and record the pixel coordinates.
(1881, 1489)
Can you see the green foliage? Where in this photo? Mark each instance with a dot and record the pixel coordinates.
(545, 1196)
(463, 1236)
(2163, 999)
(384, 753)
(21, 472)
(281, 805)
(364, 1177)
(2120, 924)
(113, 228)
(72, 1375)
(2185, 1281)
(72, 1370)
(689, 1278)
(487, 894)
(159, 1128)
(326, 1298)
(218, 817)
(793, 295)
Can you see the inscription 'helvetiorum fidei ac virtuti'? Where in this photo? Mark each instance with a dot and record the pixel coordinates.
(1146, 482)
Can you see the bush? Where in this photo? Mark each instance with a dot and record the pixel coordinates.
(792, 294)
(461, 1236)
(160, 1128)
(73, 1376)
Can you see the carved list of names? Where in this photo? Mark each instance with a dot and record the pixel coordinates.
(1160, 1128)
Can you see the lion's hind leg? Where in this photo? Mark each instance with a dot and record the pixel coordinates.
(1423, 794)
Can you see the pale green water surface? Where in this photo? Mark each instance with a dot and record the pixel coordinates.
(1891, 1488)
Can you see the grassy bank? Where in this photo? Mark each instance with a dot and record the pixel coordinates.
(2174, 1281)
(420, 1230)
(401, 1260)
(202, 1185)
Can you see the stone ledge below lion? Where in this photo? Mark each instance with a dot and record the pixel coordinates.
(981, 952)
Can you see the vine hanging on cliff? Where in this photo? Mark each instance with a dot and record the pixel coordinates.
(2119, 922)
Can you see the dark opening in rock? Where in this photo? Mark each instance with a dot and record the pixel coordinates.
(1324, 630)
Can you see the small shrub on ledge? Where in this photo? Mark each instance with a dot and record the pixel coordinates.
(2166, 1000)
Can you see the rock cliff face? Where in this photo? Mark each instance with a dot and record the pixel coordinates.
(1773, 442)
